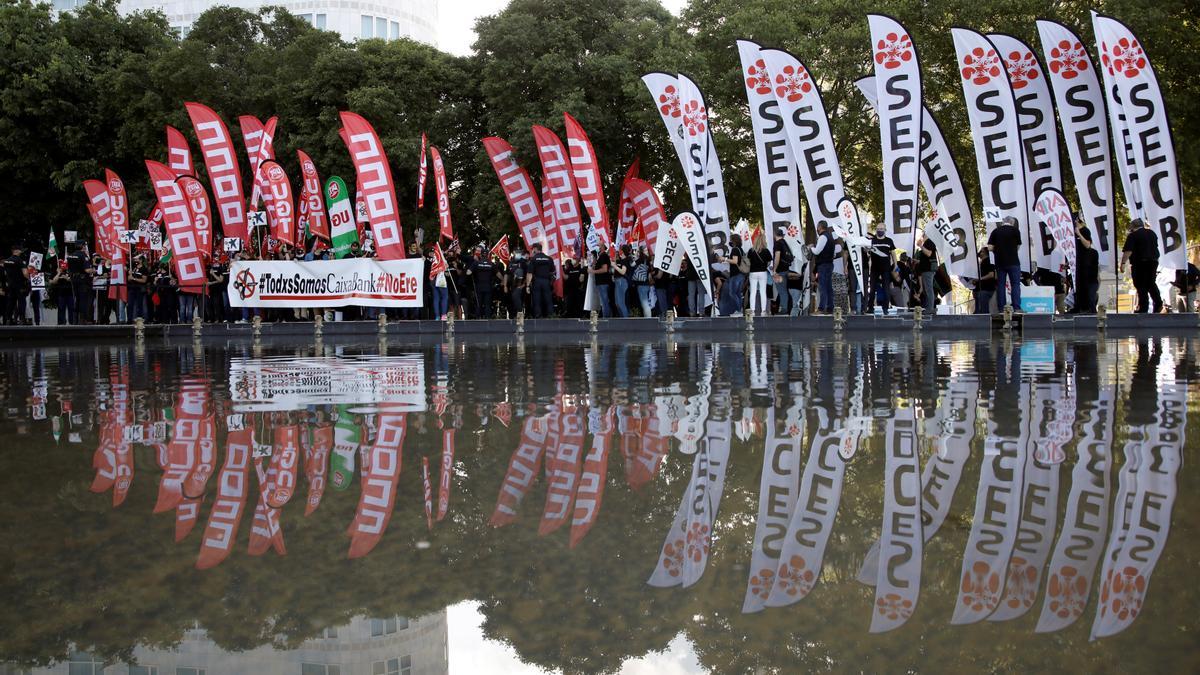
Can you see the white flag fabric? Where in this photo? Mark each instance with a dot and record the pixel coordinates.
(994, 126)
(808, 134)
(1080, 102)
(1126, 63)
(898, 92)
(1039, 138)
(944, 190)
(1122, 138)
(779, 182)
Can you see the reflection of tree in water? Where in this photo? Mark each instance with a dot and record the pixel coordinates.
(103, 579)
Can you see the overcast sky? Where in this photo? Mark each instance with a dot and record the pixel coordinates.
(456, 20)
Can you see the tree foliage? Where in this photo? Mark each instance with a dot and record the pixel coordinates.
(91, 88)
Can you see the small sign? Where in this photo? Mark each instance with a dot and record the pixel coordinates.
(232, 244)
(35, 261)
(991, 214)
(70, 236)
(39, 412)
(156, 241)
(258, 219)
(146, 226)
(129, 236)
(235, 422)
(37, 281)
(134, 433)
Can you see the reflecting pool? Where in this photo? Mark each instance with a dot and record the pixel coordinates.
(661, 506)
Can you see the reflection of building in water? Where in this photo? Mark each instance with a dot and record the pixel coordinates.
(393, 646)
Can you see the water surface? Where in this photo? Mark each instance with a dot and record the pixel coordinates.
(650, 507)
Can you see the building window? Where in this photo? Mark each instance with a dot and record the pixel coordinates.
(381, 28)
(381, 627)
(320, 669)
(395, 34)
(189, 671)
(368, 26)
(400, 666)
(143, 670)
(329, 634)
(84, 664)
(321, 20)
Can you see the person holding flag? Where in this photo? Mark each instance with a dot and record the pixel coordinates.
(438, 271)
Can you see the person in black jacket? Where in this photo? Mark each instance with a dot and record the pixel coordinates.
(823, 260)
(1141, 250)
(1087, 271)
(540, 283)
(483, 273)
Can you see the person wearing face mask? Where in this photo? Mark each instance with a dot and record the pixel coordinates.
(883, 250)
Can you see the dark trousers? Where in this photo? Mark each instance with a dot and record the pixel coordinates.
(516, 299)
(83, 303)
(881, 278)
(483, 303)
(1085, 297)
(542, 298)
(1144, 273)
(825, 287)
(1013, 276)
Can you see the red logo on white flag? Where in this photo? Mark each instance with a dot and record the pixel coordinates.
(894, 50)
(1068, 60)
(980, 66)
(793, 83)
(1021, 69)
(757, 77)
(1125, 58)
(669, 102)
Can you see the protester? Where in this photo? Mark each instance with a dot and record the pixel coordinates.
(441, 292)
(100, 281)
(639, 276)
(760, 260)
(80, 268)
(1087, 271)
(663, 283)
(16, 286)
(63, 292)
(138, 281)
(927, 264)
(217, 287)
(483, 276)
(734, 291)
(781, 264)
(882, 255)
(1005, 245)
(540, 283)
(841, 281)
(823, 253)
(1141, 252)
(985, 285)
(513, 284)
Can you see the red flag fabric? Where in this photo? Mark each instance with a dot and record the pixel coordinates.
(500, 250)
(185, 248)
(224, 176)
(179, 156)
(266, 151)
(380, 476)
(428, 487)
(252, 131)
(518, 189)
(585, 169)
(285, 460)
(281, 213)
(118, 202)
(443, 194)
(556, 173)
(197, 201)
(101, 211)
(318, 221)
(626, 214)
(375, 176)
(422, 174)
(439, 261)
(649, 210)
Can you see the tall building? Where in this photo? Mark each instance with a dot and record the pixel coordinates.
(352, 19)
(388, 646)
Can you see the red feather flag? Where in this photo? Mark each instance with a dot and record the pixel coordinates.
(375, 177)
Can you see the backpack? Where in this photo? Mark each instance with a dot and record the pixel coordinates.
(641, 273)
(786, 257)
(518, 272)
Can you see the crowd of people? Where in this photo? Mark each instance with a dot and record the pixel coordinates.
(764, 278)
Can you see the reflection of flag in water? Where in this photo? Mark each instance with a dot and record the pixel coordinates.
(595, 469)
(778, 488)
(233, 484)
(378, 497)
(347, 435)
(285, 460)
(428, 491)
(563, 458)
(522, 471)
(316, 463)
(803, 552)
(642, 446)
(446, 473)
(265, 531)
